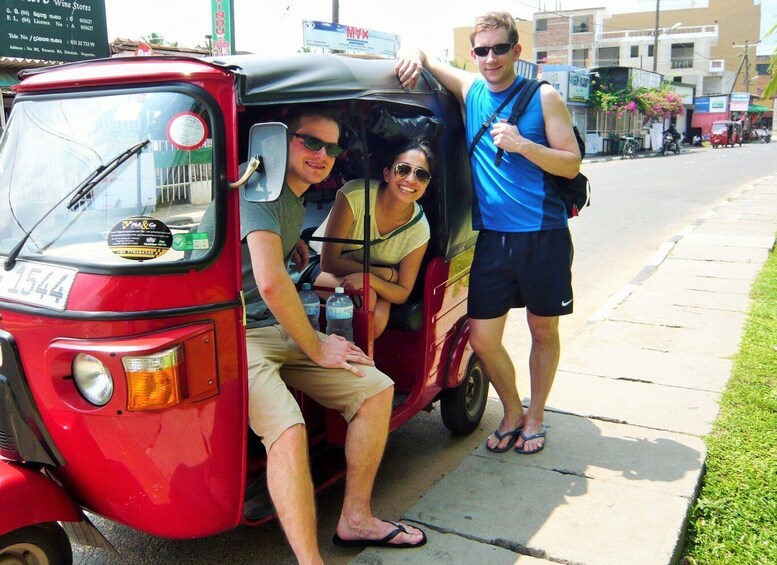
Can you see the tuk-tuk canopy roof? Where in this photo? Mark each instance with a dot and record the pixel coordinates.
(315, 77)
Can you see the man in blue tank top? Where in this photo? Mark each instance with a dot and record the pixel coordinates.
(523, 255)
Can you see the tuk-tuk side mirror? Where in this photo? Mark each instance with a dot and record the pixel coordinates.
(268, 150)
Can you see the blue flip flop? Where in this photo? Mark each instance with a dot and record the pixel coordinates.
(512, 434)
(526, 438)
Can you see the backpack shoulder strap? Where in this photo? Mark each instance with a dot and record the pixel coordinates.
(523, 100)
(487, 123)
(518, 108)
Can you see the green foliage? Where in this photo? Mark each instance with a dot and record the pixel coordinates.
(771, 87)
(154, 39)
(735, 517)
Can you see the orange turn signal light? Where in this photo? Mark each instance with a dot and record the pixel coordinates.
(155, 381)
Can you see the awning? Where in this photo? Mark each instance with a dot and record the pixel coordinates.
(757, 108)
(8, 79)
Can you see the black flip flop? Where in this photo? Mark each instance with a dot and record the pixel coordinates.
(383, 542)
(512, 434)
(526, 438)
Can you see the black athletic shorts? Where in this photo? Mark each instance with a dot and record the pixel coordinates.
(517, 270)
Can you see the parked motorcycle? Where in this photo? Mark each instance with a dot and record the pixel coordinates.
(766, 135)
(670, 143)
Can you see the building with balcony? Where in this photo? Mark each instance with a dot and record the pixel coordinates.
(701, 45)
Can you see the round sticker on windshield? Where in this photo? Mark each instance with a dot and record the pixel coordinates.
(187, 131)
(140, 238)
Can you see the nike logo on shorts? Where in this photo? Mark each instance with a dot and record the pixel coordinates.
(565, 303)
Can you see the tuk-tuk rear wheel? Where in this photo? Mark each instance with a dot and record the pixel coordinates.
(462, 407)
(40, 544)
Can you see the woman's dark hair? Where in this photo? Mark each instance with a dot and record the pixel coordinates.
(417, 144)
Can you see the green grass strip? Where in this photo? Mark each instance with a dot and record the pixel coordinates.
(735, 517)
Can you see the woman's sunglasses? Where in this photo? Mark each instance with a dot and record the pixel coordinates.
(403, 170)
(315, 144)
(498, 49)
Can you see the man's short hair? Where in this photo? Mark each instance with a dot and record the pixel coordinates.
(295, 114)
(495, 20)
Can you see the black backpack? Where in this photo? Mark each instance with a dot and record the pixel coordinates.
(575, 192)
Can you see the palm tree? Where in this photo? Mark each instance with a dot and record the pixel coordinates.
(154, 39)
(771, 87)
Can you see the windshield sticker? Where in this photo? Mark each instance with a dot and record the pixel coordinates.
(140, 238)
(191, 241)
(187, 131)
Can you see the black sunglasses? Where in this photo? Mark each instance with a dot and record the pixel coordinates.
(315, 144)
(498, 49)
(403, 170)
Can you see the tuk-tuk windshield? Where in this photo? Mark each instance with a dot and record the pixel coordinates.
(720, 127)
(108, 178)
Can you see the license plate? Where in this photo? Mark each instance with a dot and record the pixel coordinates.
(38, 284)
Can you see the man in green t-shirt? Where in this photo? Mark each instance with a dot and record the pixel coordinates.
(283, 349)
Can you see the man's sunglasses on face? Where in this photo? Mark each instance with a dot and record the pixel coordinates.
(315, 144)
(498, 49)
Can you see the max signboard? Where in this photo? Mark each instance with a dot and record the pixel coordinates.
(53, 31)
(351, 39)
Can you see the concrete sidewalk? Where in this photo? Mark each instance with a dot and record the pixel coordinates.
(644, 154)
(633, 397)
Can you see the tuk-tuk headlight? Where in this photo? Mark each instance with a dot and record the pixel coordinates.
(93, 379)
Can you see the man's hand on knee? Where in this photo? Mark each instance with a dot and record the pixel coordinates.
(338, 353)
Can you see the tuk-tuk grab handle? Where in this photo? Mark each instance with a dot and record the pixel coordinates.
(253, 166)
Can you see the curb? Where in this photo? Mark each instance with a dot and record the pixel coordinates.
(600, 158)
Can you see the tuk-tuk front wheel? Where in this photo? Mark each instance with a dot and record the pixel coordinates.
(41, 544)
(462, 407)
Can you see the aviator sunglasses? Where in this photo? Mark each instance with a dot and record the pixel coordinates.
(403, 170)
(498, 49)
(315, 144)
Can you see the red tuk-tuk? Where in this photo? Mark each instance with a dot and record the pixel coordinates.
(725, 133)
(123, 387)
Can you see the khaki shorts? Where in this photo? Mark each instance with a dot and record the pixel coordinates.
(272, 408)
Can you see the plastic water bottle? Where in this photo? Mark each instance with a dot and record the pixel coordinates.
(311, 303)
(339, 314)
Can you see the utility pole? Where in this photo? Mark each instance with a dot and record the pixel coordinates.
(744, 64)
(335, 11)
(655, 39)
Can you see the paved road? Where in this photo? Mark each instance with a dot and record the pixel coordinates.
(638, 206)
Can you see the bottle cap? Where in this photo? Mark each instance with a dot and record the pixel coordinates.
(306, 286)
(339, 290)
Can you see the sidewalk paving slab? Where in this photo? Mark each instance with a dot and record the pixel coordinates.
(446, 549)
(631, 456)
(645, 308)
(739, 274)
(615, 361)
(688, 292)
(557, 516)
(704, 252)
(661, 407)
(718, 342)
